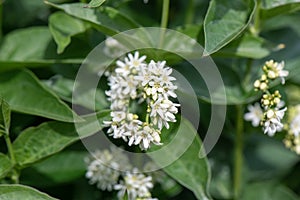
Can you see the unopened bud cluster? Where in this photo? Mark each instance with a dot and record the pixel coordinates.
(272, 70)
(135, 81)
(270, 112)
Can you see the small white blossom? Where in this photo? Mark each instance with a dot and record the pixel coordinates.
(113, 48)
(136, 61)
(136, 185)
(273, 122)
(255, 114)
(103, 168)
(145, 137)
(295, 125)
(163, 111)
(281, 73)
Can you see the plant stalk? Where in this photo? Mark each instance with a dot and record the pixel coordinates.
(256, 22)
(248, 72)
(15, 174)
(10, 149)
(1, 19)
(190, 12)
(238, 152)
(164, 20)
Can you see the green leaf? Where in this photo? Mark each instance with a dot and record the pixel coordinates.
(4, 117)
(36, 143)
(95, 3)
(19, 49)
(20, 45)
(267, 191)
(272, 8)
(248, 46)
(63, 87)
(17, 192)
(63, 167)
(12, 65)
(31, 11)
(5, 166)
(224, 21)
(282, 21)
(108, 20)
(189, 169)
(63, 27)
(24, 93)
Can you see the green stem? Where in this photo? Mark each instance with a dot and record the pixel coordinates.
(248, 71)
(238, 152)
(15, 173)
(10, 149)
(190, 11)
(1, 18)
(256, 24)
(164, 20)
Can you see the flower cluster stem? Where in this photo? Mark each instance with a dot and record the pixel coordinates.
(164, 20)
(1, 18)
(238, 153)
(256, 21)
(190, 12)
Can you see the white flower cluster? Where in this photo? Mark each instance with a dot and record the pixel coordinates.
(292, 138)
(133, 80)
(136, 185)
(105, 169)
(270, 112)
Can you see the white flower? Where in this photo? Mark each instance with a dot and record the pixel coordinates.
(123, 69)
(113, 48)
(295, 126)
(163, 73)
(103, 168)
(145, 137)
(255, 114)
(136, 185)
(130, 86)
(281, 73)
(273, 122)
(145, 75)
(162, 112)
(135, 61)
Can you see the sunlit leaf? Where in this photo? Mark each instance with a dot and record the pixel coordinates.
(108, 20)
(24, 93)
(5, 166)
(95, 3)
(17, 192)
(272, 8)
(224, 21)
(36, 143)
(63, 27)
